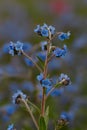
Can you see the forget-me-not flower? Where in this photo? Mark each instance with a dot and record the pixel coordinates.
(15, 48)
(62, 36)
(44, 82)
(58, 52)
(64, 79)
(17, 96)
(44, 30)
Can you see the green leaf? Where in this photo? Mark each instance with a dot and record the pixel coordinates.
(34, 106)
(40, 61)
(47, 116)
(58, 85)
(42, 124)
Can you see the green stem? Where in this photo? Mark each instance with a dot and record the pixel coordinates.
(52, 89)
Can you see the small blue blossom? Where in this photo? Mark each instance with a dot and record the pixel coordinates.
(64, 79)
(40, 77)
(65, 116)
(62, 36)
(17, 96)
(18, 46)
(10, 127)
(46, 83)
(38, 30)
(44, 45)
(52, 30)
(15, 48)
(58, 52)
(44, 30)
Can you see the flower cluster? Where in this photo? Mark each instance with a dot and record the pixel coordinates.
(44, 30)
(15, 48)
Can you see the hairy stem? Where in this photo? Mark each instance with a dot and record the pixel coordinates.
(30, 112)
(52, 89)
(30, 58)
(50, 92)
(45, 75)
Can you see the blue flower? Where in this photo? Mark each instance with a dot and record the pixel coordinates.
(40, 77)
(38, 30)
(44, 45)
(44, 82)
(65, 116)
(64, 79)
(17, 96)
(44, 30)
(15, 48)
(18, 46)
(52, 30)
(10, 127)
(62, 36)
(58, 52)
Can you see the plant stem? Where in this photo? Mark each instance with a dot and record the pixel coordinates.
(50, 92)
(30, 112)
(52, 89)
(43, 102)
(57, 33)
(45, 75)
(50, 58)
(30, 58)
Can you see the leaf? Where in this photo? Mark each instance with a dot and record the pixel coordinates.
(42, 124)
(57, 85)
(47, 115)
(34, 106)
(40, 61)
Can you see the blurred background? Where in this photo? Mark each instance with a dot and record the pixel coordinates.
(18, 18)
